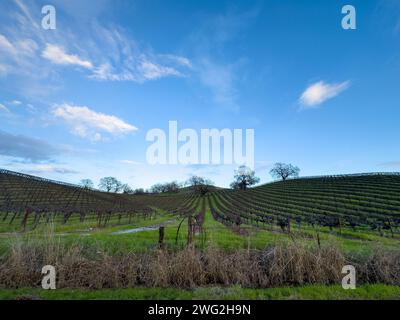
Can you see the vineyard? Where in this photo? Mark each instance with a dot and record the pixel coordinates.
(282, 234)
(359, 202)
(356, 201)
(30, 200)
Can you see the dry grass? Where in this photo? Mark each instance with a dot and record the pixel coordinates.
(283, 265)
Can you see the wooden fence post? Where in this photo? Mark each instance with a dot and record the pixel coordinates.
(190, 231)
(161, 237)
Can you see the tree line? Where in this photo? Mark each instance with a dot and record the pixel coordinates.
(243, 178)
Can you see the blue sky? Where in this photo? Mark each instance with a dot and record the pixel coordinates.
(77, 102)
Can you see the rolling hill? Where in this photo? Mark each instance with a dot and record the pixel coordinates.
(359, 200)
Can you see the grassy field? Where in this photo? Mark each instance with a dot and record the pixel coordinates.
(313, 292)
(215, 234)
(127, 245)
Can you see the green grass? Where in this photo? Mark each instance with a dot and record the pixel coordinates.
(259, 238)
(216, 234)
(311, 292)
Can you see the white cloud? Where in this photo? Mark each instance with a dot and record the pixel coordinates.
(151, 71)
(16, 49)
(319, 92)
(26, 46)
(3, 70)
(263, 165)
(131, 162)
(26, 147)
(391, 164)
(3, 108)
(6, 45)
(31, 107)
(220, 79)
(49, 168)
(106, 72)
(18, 56)
(87, 123)
(27, 13)
(57, 55)
(16, 102)
(125, 61)
(143, 71)
(183, 61)
(109, 54)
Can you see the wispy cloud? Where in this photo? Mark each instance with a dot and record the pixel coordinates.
(153, 71)
(57, 55)
(320, 92)
(48, 168)
(16, 106)
(5, 45)
(391, 164)
(130, 162)
(38, 168)
(4, 108)
(214, 70)
(106, 53)
(20, 47)
(124, 60)
(16, 102)
(27, 13)
(27, 148)
(3, 70)
(262, 165)
(87, 123)
(183, 61)
(143, 71)
(220, 79)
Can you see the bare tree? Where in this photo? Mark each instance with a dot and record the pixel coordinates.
(139, 191)
(86, 183)
(165, 187)
(284, 171)
(244, 177)
(110, 184)
(199, 184)
(126, 189)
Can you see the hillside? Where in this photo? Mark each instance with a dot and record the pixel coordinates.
(366, 200)
(371, 200)
(23, 196)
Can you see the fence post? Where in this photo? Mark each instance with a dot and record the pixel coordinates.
(161, 237)
(190, 231)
